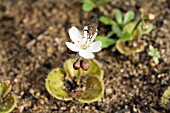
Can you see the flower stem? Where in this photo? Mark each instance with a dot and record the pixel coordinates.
(80, 73)
(142, 19)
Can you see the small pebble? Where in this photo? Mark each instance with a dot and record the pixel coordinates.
(86, 108)
(37, 94)
(121, 70)
(41, 102)
(108, 91)
(15, 80)
(63, 108)
(31, 91)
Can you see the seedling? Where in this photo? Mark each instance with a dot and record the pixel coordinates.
(89, 5)
(7, 102)
(128, 32)
(154, 53)
(80, 79)
(166, 99)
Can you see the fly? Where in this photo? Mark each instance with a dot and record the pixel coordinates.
(91, 29)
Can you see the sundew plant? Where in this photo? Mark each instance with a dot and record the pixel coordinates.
(154, 53)
(7, 101)
(166, 99)
(125, 32)
(81, 78)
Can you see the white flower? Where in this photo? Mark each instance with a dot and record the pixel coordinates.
(83, 43)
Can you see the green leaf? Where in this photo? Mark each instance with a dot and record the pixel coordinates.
(55, 83)
(126, 36)
(130, 26)
(68, 67)
(117, 30)
(106, 42)
(110, 33)
(88, 6)
(118, 16)
(165, 99)
(157, 53)
(113, 49)
(106, 21)
(156, 60)
(130, 29)
(136, 33)
(94, 69)
(153, 52)
(151, 48)
(4, 89)
(9, 103)
(101, 8)
(124, 49)
(94, 90)
(128, 17)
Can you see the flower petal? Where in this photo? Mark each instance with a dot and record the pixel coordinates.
(75, 35)
(94, 36)
(85, 34)
(86, 54)
(73, 47)
(95, 46)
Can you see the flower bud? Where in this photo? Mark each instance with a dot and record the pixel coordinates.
(151, 16)
(84, 64)
(7, 81)
(145, 26)
(76, 64)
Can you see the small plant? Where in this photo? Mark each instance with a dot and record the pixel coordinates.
(7, 102)
(80, 79)
(166, 99)
(128, 32)
(154, 53)
(89, 5)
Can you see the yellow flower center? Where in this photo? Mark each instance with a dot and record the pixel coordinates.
(84, 46)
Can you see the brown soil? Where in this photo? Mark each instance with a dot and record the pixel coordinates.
(32, 43)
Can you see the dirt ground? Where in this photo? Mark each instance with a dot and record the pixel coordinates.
(32, 43)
